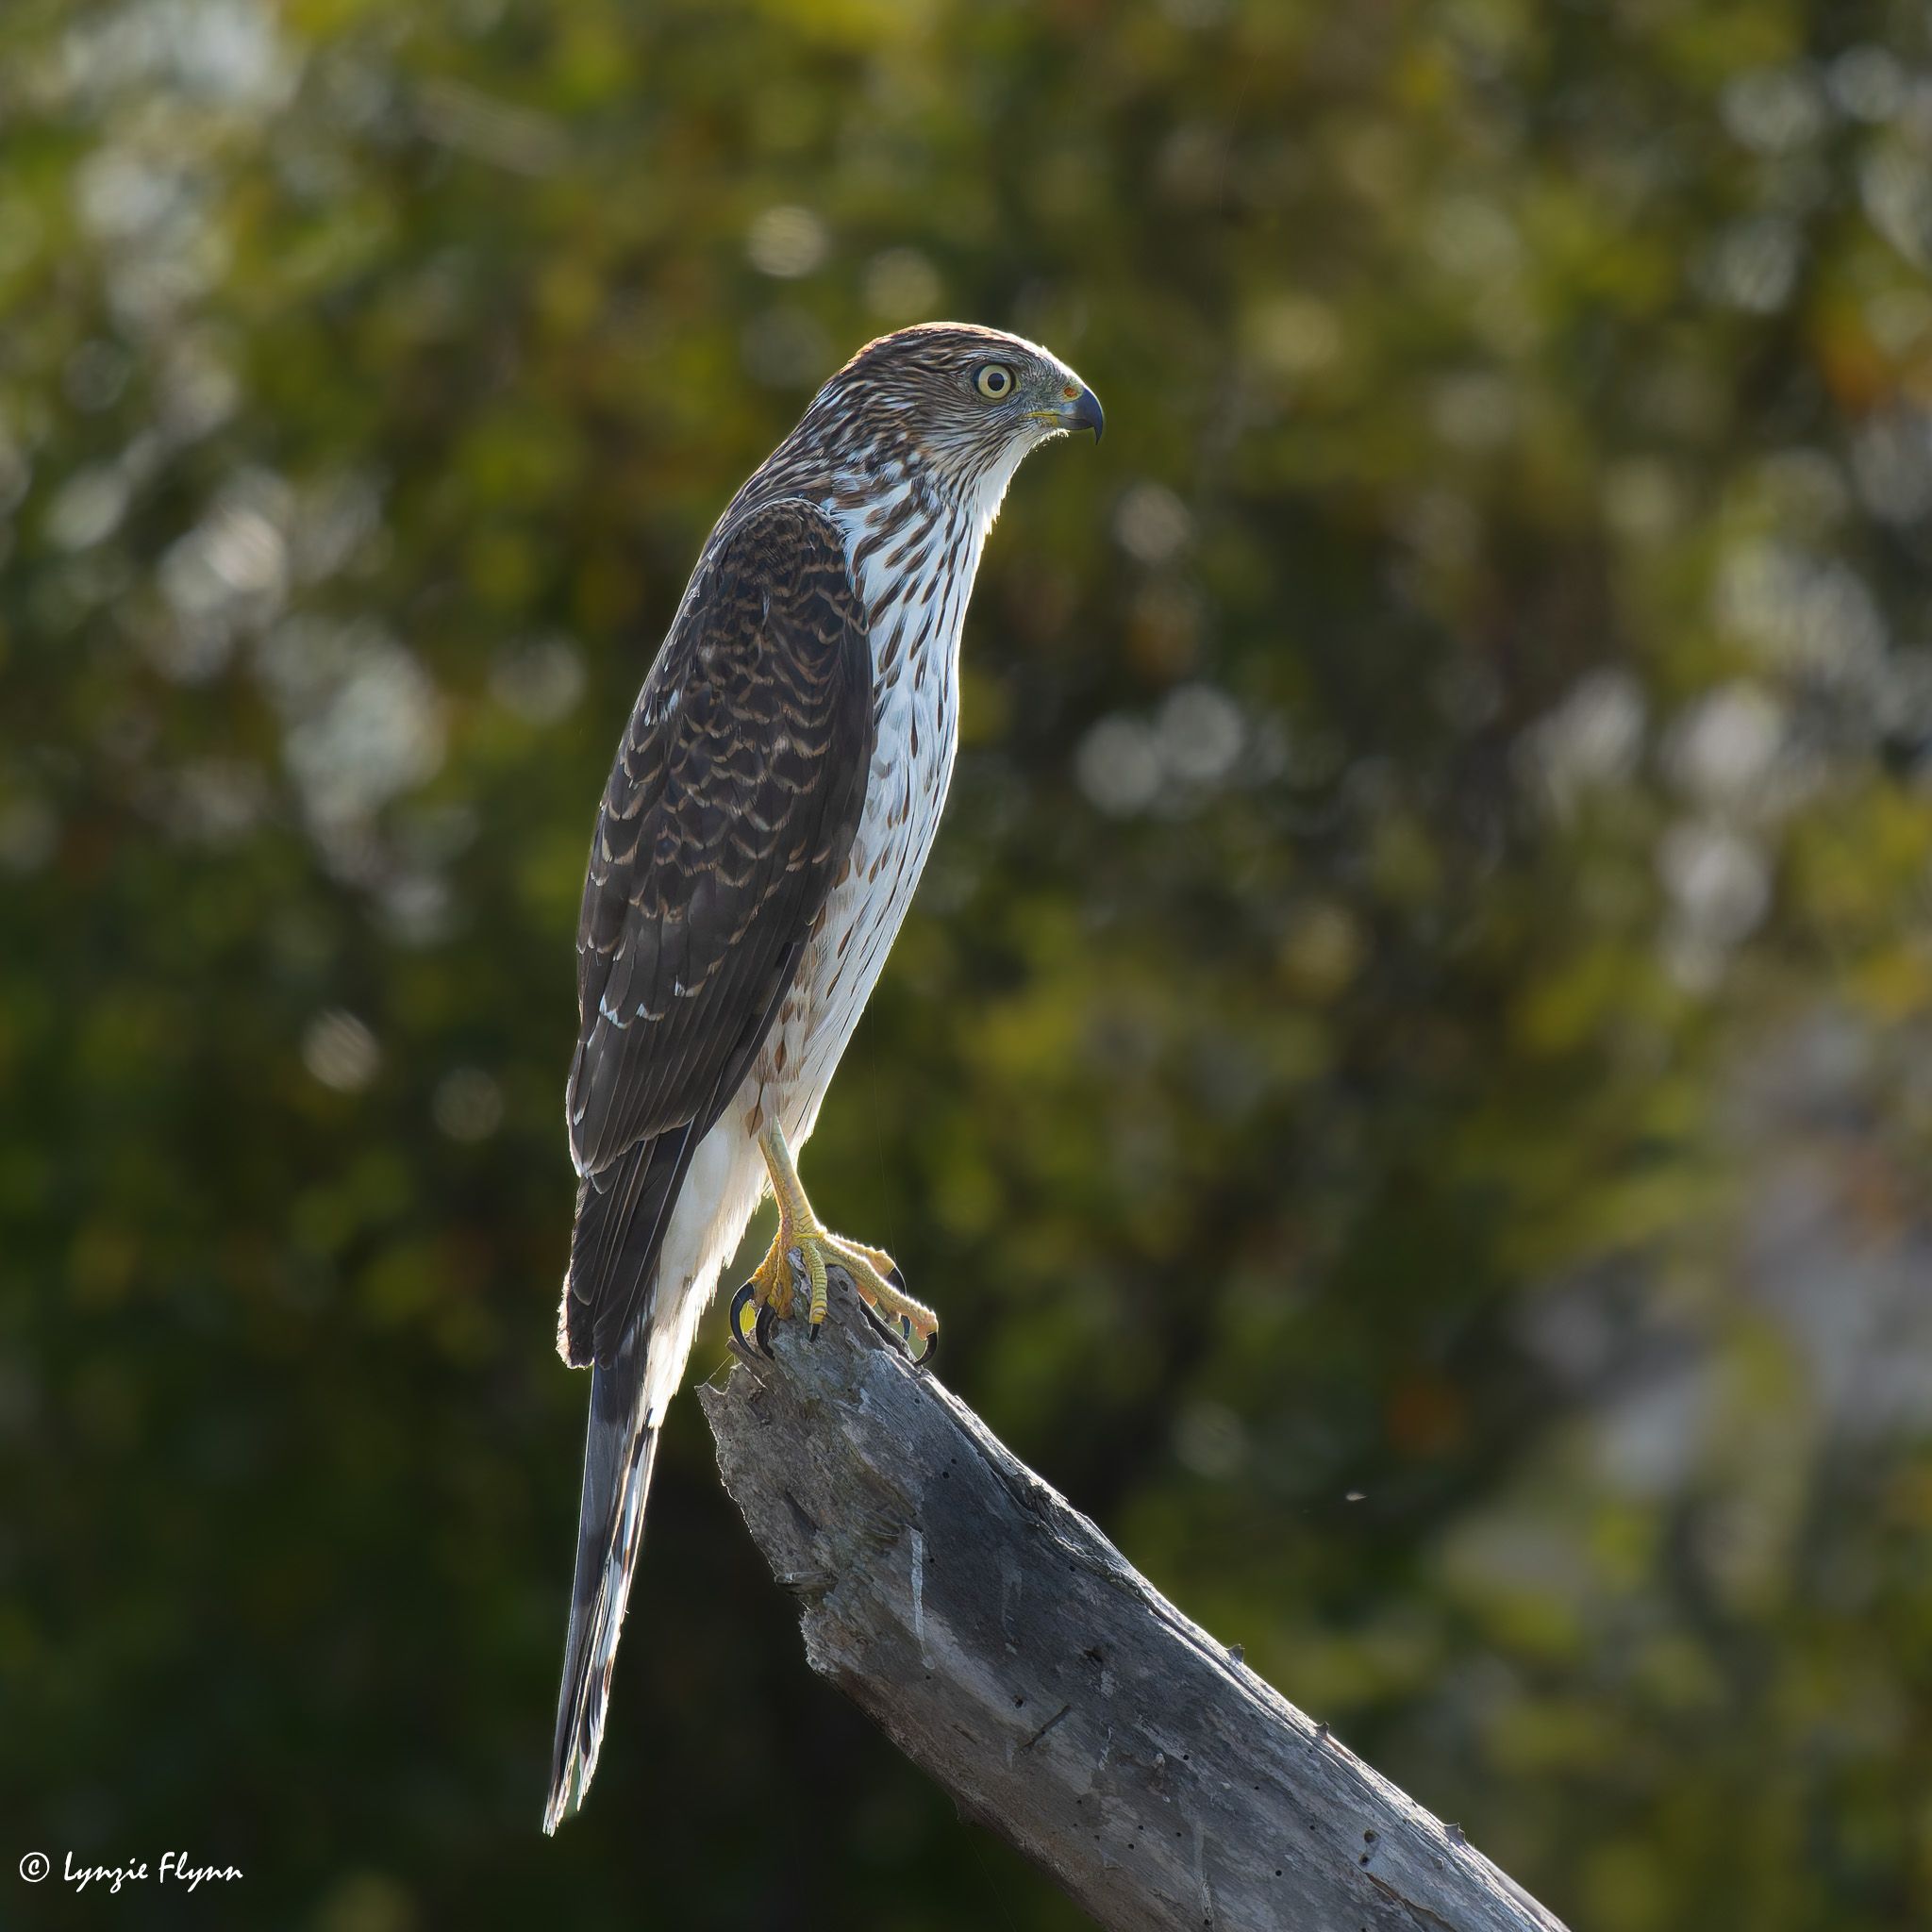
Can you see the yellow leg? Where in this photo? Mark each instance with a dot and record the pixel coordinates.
(873, 1272)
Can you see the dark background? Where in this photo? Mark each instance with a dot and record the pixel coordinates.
(1408, 1076)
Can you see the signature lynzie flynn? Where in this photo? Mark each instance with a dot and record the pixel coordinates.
(175, 1868)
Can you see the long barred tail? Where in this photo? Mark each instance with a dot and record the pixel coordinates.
(619, 1451)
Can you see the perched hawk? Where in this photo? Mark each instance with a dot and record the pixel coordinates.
(772, 806)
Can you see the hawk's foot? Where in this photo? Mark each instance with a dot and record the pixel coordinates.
(770, 1294)
(801, 1241)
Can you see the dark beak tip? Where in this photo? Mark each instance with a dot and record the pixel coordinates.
(1090, 415)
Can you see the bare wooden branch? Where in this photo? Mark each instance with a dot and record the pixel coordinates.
(1007, 1648)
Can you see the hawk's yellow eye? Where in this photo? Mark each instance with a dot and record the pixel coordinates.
(994, 381)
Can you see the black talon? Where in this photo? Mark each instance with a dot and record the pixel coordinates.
(762, 1331)
(814, 1330)
(925, 1359)
(897, 1277)
(897, 1330)
(735, 1331)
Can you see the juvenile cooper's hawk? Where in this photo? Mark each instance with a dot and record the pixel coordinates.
(771, 809)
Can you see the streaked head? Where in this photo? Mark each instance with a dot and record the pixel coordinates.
(971, 402)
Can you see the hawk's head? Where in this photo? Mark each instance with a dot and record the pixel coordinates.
(969, 402)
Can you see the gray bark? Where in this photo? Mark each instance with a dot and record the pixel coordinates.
(1010, 1650)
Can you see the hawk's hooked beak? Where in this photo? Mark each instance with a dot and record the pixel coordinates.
(1084, 413)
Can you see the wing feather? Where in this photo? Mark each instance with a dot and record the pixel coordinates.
(730, 810)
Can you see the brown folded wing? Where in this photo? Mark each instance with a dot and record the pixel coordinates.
(731, 808)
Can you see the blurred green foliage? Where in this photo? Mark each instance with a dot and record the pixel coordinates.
(1409, 1076)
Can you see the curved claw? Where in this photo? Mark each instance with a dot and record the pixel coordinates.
(898, 1278)
(919, 1358)
(740, 1320)
(899, 1332)
(751, 1324)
